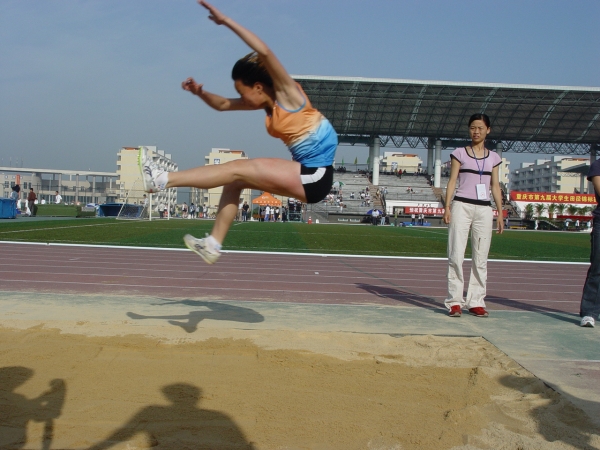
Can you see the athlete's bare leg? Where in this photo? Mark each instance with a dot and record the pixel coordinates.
(274, 175)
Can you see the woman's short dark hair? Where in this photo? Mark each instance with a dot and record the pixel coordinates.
(250, 70)
(16, 188)
(480, 116)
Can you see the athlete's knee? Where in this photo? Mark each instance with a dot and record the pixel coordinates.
(235, 186)
(241, 168)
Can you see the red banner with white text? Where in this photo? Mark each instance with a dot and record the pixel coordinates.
(552, 197)
(427, 211)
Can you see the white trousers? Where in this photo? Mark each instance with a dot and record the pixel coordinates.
(479, 221)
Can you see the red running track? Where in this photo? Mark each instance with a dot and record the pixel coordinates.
(280, 277)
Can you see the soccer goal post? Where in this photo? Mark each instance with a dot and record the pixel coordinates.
(137, 205)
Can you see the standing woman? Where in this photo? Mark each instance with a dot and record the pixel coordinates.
(476, 170)
(262, 84)
(589, 309)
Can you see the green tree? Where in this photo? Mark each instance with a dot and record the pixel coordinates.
(539, 209)
(560, 209)
(551, 210)
(529, 211)
(572, 210)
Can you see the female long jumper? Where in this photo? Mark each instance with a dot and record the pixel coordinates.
(262, 83)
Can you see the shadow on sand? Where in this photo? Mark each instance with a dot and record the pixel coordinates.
(215, 311)
(16, 410)
(558, 420)
(180, 424)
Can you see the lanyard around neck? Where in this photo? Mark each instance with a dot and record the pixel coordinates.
(480, 170)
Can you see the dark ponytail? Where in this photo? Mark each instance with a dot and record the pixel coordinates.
(250, 70)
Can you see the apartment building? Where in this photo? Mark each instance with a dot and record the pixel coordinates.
(75, 186)
(546, 175)
(212, 197)
(129, 180)
(392, 161)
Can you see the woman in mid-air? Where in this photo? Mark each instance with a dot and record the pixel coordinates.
(262, 83)
(476, 170)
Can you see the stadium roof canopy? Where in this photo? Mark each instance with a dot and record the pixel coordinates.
(525, 118)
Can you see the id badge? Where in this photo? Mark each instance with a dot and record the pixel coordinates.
(481, 192)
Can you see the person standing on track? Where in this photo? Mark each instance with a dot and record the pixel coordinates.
(262, 84)
(590, 299)
(475, 168)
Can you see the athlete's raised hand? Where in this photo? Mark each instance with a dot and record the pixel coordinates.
(191, 85)
(215, 15)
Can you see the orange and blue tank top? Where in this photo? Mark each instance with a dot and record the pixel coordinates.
(305, 131)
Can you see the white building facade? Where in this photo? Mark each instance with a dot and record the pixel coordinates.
(211, 197)
(74, 186)
(129, 180)
(392, 161)
(546, 175)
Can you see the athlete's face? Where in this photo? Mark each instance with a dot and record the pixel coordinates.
(253, 96)
(478, 131)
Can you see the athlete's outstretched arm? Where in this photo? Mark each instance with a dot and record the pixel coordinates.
(286, 89)
(213, 100)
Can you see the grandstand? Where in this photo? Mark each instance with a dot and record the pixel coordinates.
(409, 190)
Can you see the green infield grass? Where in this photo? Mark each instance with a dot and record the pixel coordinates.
(297, 237)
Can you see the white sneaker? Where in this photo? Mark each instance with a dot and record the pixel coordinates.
(202, 248)
(149, 171)
(588, 321)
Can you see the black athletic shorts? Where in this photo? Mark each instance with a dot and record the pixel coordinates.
(317, 182)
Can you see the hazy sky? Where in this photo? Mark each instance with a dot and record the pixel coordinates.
(80, 79)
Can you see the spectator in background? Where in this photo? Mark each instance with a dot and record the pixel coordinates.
(16, 196)
(375, 216)
(245, 208)
(31, 199)
(57, 198)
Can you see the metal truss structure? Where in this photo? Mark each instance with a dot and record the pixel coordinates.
(525, 118)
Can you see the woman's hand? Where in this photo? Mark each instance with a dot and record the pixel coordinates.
(446, 217)
(215, 15)
(191, 85)
(500, 221)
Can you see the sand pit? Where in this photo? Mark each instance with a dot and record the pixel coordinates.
(92, 386)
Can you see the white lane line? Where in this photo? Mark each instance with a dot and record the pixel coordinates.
(323, 255)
